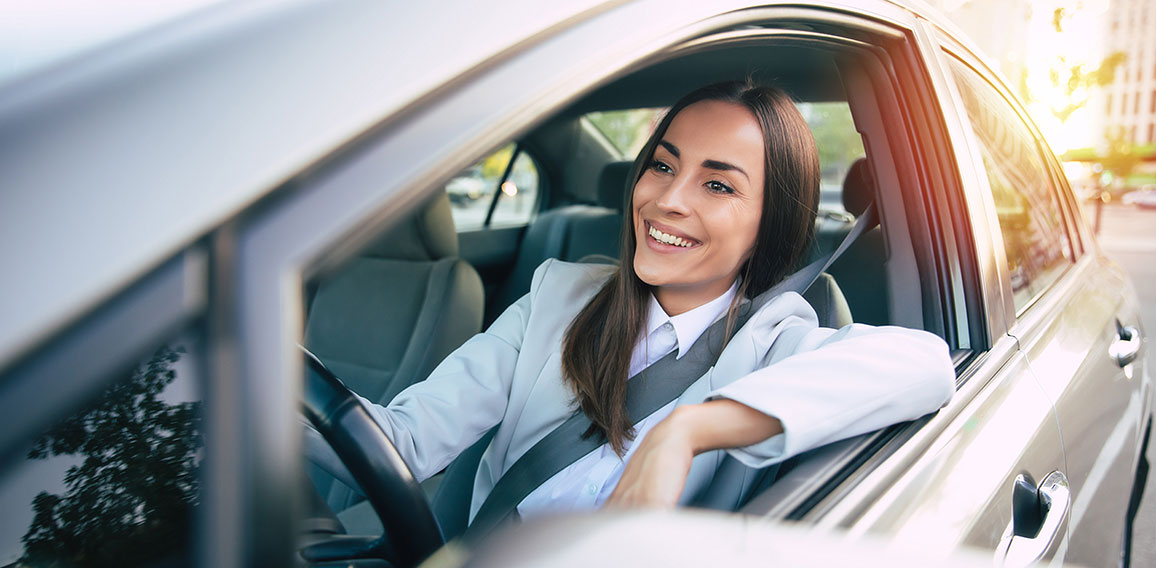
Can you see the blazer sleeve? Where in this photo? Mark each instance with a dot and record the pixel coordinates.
(825, 385)
(434, 420)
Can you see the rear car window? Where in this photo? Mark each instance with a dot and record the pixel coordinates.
(501, 189)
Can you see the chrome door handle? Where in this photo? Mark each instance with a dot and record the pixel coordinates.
(1039, 519)
(1127, 346)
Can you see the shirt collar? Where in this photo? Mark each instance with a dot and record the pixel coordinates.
(688, 326)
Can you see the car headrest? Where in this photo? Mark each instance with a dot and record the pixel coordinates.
(858, 187)
(612, 184)
(427, 234)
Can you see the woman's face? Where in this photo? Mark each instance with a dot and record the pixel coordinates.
(697, 205)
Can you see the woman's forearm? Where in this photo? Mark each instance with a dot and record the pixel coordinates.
(657, 472)
(722, 423)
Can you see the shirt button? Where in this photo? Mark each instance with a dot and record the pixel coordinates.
(591, 488)
(668, 326)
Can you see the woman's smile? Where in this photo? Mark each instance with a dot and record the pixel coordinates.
(666, 239)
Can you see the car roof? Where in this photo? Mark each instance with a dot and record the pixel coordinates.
(117, 159)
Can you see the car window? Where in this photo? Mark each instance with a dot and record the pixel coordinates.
(116, 483)
(627, 130)
(492, 193)
(1030, 218)
(839, 146)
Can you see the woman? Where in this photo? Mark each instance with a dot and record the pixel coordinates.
(721, 208)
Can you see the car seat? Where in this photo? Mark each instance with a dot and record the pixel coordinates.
(395, 311)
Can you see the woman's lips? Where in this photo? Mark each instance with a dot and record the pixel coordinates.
(667, 236)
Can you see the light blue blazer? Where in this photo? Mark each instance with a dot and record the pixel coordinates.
(822, 384)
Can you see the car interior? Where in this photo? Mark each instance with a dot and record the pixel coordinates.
(386, 318)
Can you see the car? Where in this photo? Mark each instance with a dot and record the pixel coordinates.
(187, 207)
(1144, 198)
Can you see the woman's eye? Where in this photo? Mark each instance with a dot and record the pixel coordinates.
(719, 187)
(660, 166)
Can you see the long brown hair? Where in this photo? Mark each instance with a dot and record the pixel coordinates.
(597, 347)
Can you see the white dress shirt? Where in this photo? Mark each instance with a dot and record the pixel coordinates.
(588, 482)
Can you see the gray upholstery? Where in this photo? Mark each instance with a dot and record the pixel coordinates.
(393, 313)
(426, 235)
(861, 269)
(858, 187)
(612, 184)
(569, 233)
(827, 298)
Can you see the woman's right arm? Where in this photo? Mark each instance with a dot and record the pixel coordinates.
(434, 420)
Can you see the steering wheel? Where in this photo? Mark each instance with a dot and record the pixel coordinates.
(411, 531)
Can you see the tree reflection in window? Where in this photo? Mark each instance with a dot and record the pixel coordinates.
(131, 498)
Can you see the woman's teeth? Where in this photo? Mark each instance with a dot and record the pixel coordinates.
(669, 239)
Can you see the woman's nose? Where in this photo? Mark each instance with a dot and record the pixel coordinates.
(675, 196)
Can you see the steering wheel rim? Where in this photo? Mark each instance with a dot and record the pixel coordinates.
(373, 461)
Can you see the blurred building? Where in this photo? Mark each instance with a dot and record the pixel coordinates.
(1130, 102)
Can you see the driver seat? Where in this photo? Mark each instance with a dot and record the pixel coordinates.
(394, 312)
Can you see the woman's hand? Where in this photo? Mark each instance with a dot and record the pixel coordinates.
(656, 473)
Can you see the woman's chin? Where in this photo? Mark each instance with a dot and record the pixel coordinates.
(653, 275)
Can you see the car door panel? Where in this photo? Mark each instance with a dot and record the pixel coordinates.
(1068, 342)
(491, 251)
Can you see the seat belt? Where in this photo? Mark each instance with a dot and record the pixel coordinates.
(651, 389)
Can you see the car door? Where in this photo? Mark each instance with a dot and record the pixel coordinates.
(1076, 318)
(953, 482)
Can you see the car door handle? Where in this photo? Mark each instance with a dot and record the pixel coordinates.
(1039, 519)
(1126, 346)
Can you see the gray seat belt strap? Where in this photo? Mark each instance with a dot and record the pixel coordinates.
(653, 388)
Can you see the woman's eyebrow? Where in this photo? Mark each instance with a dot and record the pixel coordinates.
(723, 166)
(712, 164)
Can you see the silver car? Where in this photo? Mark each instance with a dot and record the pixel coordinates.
(183, 208)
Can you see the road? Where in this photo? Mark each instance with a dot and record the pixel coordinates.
(1128, 235)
